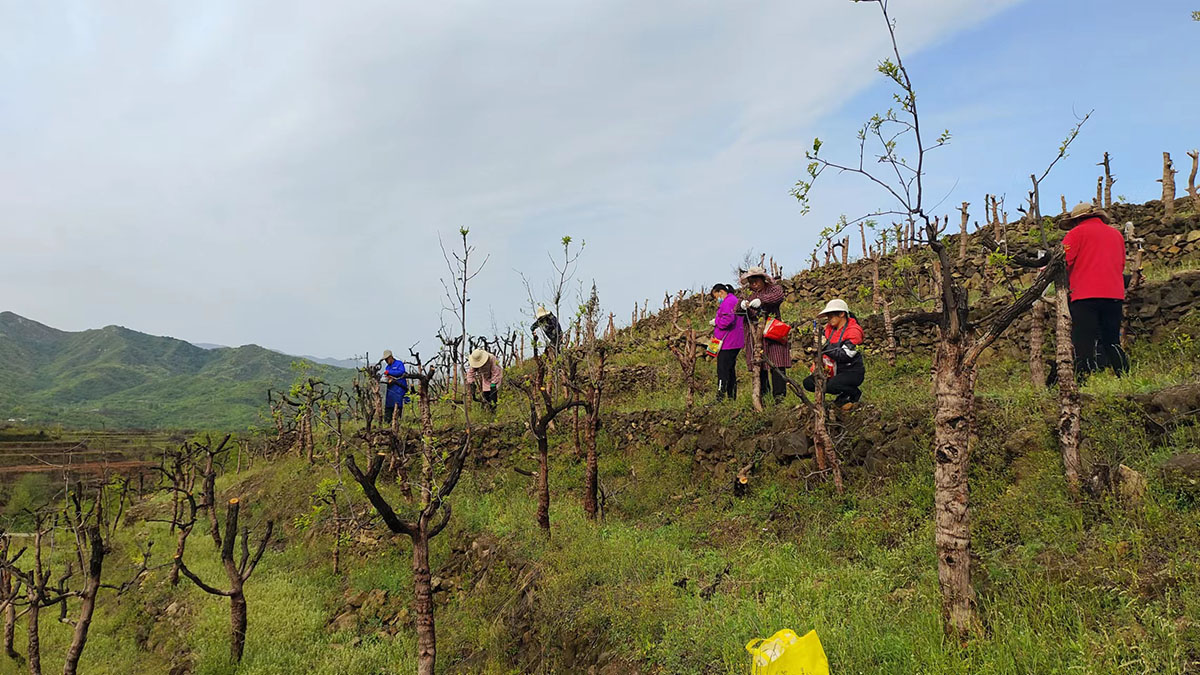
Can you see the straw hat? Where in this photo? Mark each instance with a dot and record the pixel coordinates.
(1085, 210)
(387, 354)
(835, 305)
(542, 311)
(478, 358)
(756, 271)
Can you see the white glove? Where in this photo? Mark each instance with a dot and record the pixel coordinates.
(745, 304)
(712, 322)
(756, 303)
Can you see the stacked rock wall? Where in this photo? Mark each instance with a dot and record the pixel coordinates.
(1152, 308)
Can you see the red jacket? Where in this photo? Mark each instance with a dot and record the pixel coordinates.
(853, 332)
(842, 347)
(1095, 260)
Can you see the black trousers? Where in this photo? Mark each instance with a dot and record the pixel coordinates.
(490, 398)
(844, 385)
(727, 373)
(1096, 335)
(777, 386)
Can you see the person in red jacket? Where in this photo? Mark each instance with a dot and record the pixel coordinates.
(1095, 254)
(841, 355)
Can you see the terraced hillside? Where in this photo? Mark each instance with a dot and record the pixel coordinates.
(687, 562)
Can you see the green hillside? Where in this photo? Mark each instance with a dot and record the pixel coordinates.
(117, 377)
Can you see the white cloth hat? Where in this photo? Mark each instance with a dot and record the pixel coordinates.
(387, 354)
(756, 271)
(835, 305)
(478, 358)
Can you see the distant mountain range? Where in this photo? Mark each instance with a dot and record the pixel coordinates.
(117, 377)
(336, 363)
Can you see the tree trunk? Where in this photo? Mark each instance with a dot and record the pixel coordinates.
(955, 393)
(543, 482)
(237, 624)
(883, 303)
(10, 592)
(1192, 191)
(1168, 184)
(578, 437)
(756, 364)
(10, 626)
(308, 434)
(337, 533)
(1069, 413)
(423, 605)
(34, 650)
(180, 543)
(1108, 182)
(962, 239)
(1037, 328)
(823, 449)
(591, 472)
(820, 435)
(88, 605)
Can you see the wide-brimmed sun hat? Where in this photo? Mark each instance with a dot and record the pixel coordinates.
(1086, 210)
(756, 271)
(835, 305)
(478, 358)
(387, 354)
(542, 311)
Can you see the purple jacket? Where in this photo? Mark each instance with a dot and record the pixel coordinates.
(729, 326)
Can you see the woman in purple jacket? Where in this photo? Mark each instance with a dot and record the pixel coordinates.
(727, 328)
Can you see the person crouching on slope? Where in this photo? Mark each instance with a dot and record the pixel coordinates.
(841, 355)
(484, 375)
(767, 297)
(729, 337)
(1095, 265)
(397, 387)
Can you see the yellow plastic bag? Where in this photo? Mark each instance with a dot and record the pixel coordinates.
(785, 653)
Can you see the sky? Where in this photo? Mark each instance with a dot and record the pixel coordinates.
(280, 173)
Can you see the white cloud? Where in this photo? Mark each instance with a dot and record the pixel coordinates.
(277, 172)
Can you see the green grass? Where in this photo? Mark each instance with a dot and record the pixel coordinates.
(1093, 587)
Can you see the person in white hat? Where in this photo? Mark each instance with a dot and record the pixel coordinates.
(484, 375)
(397, 386)
(767, 299)
(547, 324)
(841, 355)
(1095, 253)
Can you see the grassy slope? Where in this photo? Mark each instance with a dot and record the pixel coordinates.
(1098, 588)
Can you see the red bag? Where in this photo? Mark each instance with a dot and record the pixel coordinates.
(830, 366)
(776, 330)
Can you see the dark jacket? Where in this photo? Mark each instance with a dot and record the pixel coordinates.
(842, 346)
(551, 330)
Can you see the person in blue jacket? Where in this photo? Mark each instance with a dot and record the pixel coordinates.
(397, 387)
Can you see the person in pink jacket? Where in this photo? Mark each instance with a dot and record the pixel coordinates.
(728, 328)
(484, 375)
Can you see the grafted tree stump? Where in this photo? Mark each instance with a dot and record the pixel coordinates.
(1192, 192)
(1168, 187)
